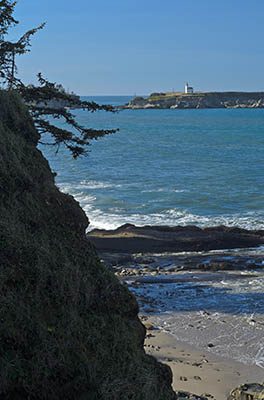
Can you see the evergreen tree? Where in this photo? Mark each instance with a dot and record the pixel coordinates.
(48, 100)
(9, 50)
(6, 18)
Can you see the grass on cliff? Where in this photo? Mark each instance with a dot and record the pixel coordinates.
(68, 328)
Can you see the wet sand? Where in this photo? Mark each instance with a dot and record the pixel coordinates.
(195, 371)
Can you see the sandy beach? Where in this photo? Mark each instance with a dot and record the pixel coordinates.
(199, 372)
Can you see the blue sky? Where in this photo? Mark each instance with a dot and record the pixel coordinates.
(129, 47)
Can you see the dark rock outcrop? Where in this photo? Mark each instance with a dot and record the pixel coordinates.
(158, 239)
(249, 391)
(189, 396)
(68, 328)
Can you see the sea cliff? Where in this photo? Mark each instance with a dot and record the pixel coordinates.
(69, 329)
(177, 100)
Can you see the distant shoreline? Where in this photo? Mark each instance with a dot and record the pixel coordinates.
(200, 100)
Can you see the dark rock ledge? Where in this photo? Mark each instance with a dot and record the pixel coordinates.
(159, 239)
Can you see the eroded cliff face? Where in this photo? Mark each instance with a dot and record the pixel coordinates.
(69, 329)
(198, 100)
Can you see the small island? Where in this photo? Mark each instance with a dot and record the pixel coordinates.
(189, 99)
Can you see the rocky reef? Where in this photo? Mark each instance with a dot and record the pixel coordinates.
(129, 238)
(69, 329)
(178, 100)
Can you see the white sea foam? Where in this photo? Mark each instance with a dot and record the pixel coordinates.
(86, 185)
(160, 190)
(172, 218)
(259, 358)
(247, 222)
(118, 219)
(117, 210)
(98, 185)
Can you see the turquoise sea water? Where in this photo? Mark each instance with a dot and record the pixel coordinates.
(175, 167)
(179, 167)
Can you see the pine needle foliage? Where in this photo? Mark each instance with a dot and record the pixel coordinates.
(48, 102)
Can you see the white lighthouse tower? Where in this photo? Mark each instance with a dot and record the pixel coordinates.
(188, 89)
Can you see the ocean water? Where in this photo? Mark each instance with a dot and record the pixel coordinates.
(180, 167)
(174, 167)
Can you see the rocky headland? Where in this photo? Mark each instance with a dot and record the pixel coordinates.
(178, 100)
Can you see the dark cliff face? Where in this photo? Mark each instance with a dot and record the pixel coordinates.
(69, 329)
